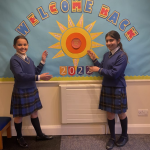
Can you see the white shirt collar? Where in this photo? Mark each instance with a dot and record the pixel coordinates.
(22, 56)
(114, 50)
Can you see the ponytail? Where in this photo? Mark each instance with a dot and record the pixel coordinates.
(121, 47)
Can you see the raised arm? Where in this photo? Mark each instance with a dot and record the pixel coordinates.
(39, 68)
(95, 61)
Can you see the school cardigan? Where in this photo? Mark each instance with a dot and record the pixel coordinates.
(112, 69)
(25, 72)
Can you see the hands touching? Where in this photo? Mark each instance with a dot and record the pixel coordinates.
(91, 54)
(44, 55)
(45, 76)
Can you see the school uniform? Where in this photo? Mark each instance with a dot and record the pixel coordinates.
(25, 97)
(113, 96)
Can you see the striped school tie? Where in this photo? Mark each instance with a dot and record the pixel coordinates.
(27, 59)
(110, 54)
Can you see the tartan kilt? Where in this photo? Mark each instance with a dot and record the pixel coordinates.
(24, 102)
(113, 99)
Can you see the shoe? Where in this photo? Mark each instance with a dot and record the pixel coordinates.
(110, 144)
(44, 137)
(22, 142)
(122, 141)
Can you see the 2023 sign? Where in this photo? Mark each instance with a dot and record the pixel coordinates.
(71, 70)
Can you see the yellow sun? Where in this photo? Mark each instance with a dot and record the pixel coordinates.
(75, 40)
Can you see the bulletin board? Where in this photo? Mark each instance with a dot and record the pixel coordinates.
(68, 28)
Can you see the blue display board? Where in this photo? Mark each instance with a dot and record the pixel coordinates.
(68, 28)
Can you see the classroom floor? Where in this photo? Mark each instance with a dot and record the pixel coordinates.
(80, 142)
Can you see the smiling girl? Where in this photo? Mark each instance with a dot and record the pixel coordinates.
(113, 98)
(25, 96)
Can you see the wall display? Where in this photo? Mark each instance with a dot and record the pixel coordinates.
(68, 28)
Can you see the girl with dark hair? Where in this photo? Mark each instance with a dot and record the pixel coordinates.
(113, 98)
(25, 98)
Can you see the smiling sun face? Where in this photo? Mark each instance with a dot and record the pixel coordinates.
(75, 40)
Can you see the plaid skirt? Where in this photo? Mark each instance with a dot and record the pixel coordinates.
(113, 99)
(24, 102)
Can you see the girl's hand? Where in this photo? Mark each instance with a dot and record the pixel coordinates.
(45, 76)
(44, 55)
(94, 69)
(91, 54)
